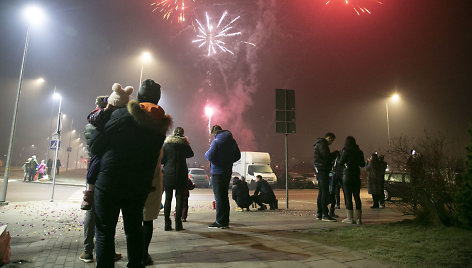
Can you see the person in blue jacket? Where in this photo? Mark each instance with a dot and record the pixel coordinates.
(223, 152)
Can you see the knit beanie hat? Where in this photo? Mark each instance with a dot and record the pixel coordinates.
(120, 96)
(149, 91)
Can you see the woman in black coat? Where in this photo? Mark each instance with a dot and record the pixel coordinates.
(176, 150)
(352, 158)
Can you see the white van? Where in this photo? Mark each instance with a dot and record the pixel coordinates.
(252, 164)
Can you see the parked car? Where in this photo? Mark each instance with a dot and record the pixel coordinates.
(311, 177)
(199, 177)
(397, 184)
(296, 180)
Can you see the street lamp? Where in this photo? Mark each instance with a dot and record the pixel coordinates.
(69, 149)
(395, 98)
(40, 81)
(209, 111)
(57, 138)
(145, 57)
(33, 15)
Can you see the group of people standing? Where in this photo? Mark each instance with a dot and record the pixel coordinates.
(31, 168)
(346, 165)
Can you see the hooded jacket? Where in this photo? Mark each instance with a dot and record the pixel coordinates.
(240, 193)
(323, 158)
(176, 150)
(223, 152)
(128, 147)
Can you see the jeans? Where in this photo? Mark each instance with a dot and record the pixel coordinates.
(220, 185)
(323, 192)
(89, 231)
(107, 208)
(352, 187)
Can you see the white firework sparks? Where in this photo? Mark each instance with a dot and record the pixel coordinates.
(213, 37)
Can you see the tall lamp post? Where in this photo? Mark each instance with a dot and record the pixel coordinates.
(69, 149)
(33, 14)
(58, 142)
(145, 57)
(395, 98)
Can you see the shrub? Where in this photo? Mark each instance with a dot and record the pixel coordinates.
(463, 198)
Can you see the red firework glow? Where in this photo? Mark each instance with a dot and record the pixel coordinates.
(172, 8)
(359, 6)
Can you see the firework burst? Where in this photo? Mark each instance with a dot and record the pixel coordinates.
(174, 9)
(358, 6)
(215, 37)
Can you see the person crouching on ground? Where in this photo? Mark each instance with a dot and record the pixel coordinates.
(240, 193)
(264, 194)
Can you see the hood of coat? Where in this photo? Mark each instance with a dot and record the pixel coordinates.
(176, 139)
(223, 136)
(237, 181)
(148, 118)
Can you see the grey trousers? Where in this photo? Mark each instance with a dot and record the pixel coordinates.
(89, 231)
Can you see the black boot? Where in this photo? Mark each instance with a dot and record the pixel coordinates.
(168, 225)
(178, 225)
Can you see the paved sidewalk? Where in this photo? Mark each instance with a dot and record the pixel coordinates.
(46, 234)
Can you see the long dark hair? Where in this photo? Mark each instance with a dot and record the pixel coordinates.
(350, 142)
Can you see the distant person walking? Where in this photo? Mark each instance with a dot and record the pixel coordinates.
(58, 165)
(33, 168)
(49, 168)
(41, 169)
(223, 152)
(27, 169)
(352, 158)
(176, 151)
(323, 163)
(375, 180)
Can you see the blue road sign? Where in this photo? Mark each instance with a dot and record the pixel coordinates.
(54, 144)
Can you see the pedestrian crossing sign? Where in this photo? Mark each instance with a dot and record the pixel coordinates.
(54, 144)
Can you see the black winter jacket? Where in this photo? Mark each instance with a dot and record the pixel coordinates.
(352, 159)
(128, 148)
(266, 193)
(240, 193)
(322, 155)
(176, 150)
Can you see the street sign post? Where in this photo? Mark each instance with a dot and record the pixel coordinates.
(285, 121)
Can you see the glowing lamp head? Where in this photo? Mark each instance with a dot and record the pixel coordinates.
(57, 96)
(395, 97)
(40, 81)
(209, 111)
(146, 57)
(34, 14)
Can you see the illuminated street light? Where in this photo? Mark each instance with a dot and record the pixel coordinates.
(395, 98)
(145, 57)
(34, 15)
(40, 81)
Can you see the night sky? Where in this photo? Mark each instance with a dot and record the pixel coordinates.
(343, 67)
